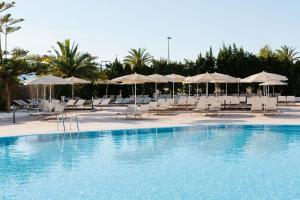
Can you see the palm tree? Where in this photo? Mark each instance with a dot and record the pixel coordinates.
(138, 58)
(10, 70)
(287, 53)
(266, 52)
(69, 62)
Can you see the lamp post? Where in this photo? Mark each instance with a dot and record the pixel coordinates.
(169, 38)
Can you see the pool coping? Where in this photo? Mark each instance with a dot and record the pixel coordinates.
(157, 127)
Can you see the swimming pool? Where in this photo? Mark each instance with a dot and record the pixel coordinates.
(200, 162)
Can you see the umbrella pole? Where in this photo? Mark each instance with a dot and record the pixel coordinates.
(72, 91)
(273, 91)
(197, 90)
(44, 92)
(37, 92)
(134, 97)
(207, 89)
(238, 89)
(106, 90)
(173, 91)
(155, 91)
(226, 88)
(50, 98)
(189, 89)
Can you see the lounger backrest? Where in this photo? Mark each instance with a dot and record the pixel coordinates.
(23, 102)
(126, 100)
(169, 101)
(146, 100)
(139, 100)
(46, 107)
(256, 104)
(203, 98)
(153, 105)
(80, 102)
(105, 102)
(55, 101)
(215, 104)
(182, 100)
(249, 100)
(96, 102)
(234, 100)
(144, 108)
(242, 99)
(191, 101)
(119, 100)
(211, 99)
(18, 102)
(291, 99)
(59, 107)
(165, 105)
(160, 101)
(71, 102)
(271, 103)
(282, 99)
(202, 104)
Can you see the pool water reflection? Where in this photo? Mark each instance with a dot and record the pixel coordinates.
(199, 162)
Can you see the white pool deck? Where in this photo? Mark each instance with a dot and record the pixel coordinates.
(106, 120)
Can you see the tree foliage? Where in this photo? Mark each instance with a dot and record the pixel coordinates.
(68, 61)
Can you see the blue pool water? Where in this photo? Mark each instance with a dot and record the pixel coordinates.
(201, 162)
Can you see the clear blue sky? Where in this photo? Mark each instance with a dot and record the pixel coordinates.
(107, 28)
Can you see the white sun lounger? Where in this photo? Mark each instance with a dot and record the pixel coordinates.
(215, 106)
(281, 99)
(96, 102)
(201, 106)
(119, 101)
(257, 105)
(291, 100)
(271, 105)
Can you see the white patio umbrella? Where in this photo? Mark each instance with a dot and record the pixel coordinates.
(175, 78)
(263, 77)
(272, 83)
(74, 80)
(223, 78)
(106, 82)
(133, 79)
(203, 78)
(48, 80)
(157, 78)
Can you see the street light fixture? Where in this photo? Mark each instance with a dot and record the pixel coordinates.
(169, 38)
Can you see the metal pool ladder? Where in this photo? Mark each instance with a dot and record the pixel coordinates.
(62, 120)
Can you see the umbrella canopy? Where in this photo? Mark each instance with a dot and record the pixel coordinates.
(223, 78)
(202, 78)
(273, 83)
(133, 79)
(157, 78)
(264, 77)
(176, 78)
(48, 80)
(106, 82)
(75, 80)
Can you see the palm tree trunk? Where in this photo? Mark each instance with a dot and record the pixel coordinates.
(7, 96)
(1, 55)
